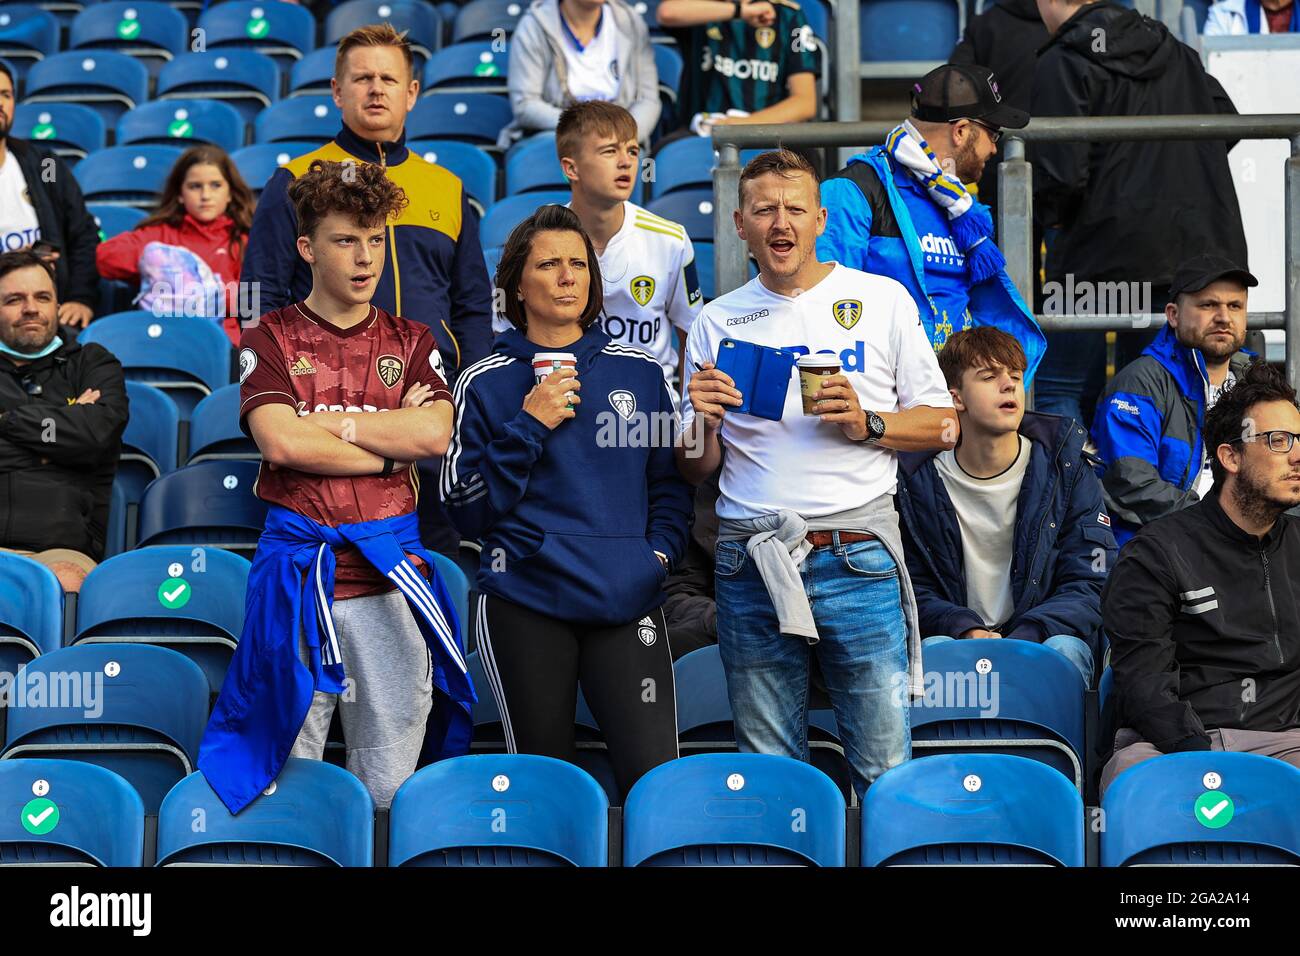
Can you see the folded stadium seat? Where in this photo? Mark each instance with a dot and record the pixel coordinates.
(734, 810)
(491, 257)
(420, 20)
(480, 19)
(907, 38)
(705, 723)
(115, 534)
(134, 598)
(108, 82)
(972, 810)
(214, 429)
(704, 268)
(668, 63)
(70, 129)
(476, 169)
(1203, 808)
(307, 119)
(311, 75)
(126, 175)
(466, 68)
(283, 31)
(258, 163)
(28, 35)
(210, 504)
(114, 220)
(499, 810)
(533, 166)
(247, 80)
(475, 118)
(510, 212)
(693, 208)
(188, 357)
(184, 123)
(31, 611)
(130, 708)
(688, 164)
(649, 12)
(85, 815)
(313, 814)
(997, 696)
(148, 30)
(149, 444)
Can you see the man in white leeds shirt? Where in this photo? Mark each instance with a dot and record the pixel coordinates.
(809, 556)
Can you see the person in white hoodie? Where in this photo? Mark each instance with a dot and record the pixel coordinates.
(1243, 17)
(568, 51)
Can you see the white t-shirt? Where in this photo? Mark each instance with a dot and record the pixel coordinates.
(986, 516)
(593, 70)
(1205, 480)
(18, 225)
(651, 286)
(799, 463)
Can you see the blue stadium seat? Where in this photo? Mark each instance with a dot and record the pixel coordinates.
(818, 15)
(108, 82)
(533, 166)
(148, 30)
(247, 80)
(210, 503)
(734, 810)
(98, 819)
(150, 440)
(283, 31)
(28, 35)
(491, 257)
(692, 208)
(453, 578)
(499, 810)
(313, 814)
(1170, 811)
(307, 119)
(480, 19)
(922, 31)
(311, 75)
(257, 163)
(115, 534)
(475, 168)
(70, 129)
(705, 270)
(126, 175)
(466, 67)
(1202, 9)
(1030, 703)
(130, 708)
(668, 62)
(510, 212)
(688, 164)
(215, 432)
(420, 20)
(187, 357)
(476, 118)
(31, 611)
(183, 123)
(972, 810)
(122, 601)
(114, 220)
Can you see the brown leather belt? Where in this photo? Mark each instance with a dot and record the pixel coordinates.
(824, 539)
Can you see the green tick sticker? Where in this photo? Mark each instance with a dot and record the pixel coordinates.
(181, 129)
(43, 131)
(485, 69)
(257, 28)
(40, 816)
(128, 29)
(1213, 809)
(174, 593)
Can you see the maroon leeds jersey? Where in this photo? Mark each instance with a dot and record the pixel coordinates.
(294, 357)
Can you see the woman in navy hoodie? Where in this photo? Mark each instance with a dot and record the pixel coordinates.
(570, 485)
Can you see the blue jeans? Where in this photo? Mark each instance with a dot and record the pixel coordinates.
(856, 603)
(1075, 649)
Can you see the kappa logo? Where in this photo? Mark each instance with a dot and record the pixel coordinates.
(302, 366)
(646, 631)
(247, 362)
(752, 317)
(643, 290)
(765, 36)
(435, 362)
(847, 312)
(624, 403)
(389, 368)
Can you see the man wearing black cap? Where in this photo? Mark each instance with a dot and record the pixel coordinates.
(901, 210)
(1148, 425)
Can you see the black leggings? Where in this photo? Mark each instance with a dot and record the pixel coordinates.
(534, 663)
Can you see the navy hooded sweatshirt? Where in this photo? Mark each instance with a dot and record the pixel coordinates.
(569, 518)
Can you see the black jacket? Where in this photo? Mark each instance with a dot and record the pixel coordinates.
(691, 611)
(57, 460)
(63, 218)
(1132, 210)
(1204, 627)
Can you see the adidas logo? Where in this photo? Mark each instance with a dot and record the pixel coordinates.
(302, 367)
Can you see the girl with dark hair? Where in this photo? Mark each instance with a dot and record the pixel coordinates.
(561, 462)
(187, 255)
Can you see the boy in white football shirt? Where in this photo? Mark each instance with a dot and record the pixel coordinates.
(647, 262)
(809, 556)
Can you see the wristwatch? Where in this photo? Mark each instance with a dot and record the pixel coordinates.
(739, 4)
(875, 428)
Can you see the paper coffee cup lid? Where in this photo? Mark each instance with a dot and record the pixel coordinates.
(555, 357)
(819, 360)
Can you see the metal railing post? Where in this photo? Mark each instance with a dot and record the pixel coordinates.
(729, 252)
(848, 82)
(1292, 263)
(1016, 217)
